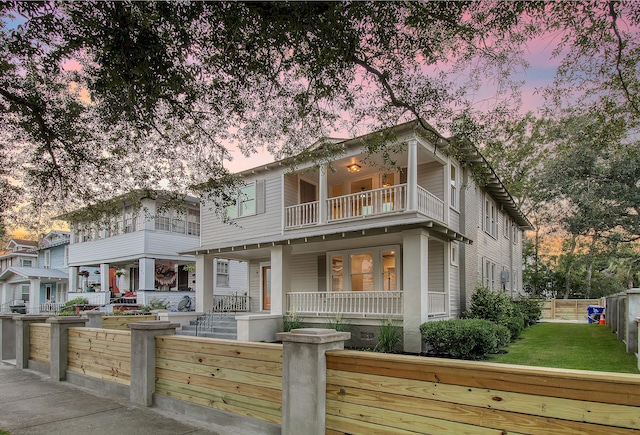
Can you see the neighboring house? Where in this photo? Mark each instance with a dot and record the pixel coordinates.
(353, 240)
(38, 277)
(136, 250)
(21, 253)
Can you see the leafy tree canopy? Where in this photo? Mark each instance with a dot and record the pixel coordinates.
(97, 98)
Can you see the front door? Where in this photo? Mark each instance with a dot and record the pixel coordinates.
(266, 287)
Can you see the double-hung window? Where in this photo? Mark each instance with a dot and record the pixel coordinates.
(250, 200)
(193, 222)
(489, 274)
(222, 273)
(454, 194)
(490, 217)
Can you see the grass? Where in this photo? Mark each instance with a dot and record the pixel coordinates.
(570, 346)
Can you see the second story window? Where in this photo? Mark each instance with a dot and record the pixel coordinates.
(47, 260)
(193, 222)
(490, 218)
(250, 201)
(454, 186)
(163, 222)
(25, 263)
(129, 221)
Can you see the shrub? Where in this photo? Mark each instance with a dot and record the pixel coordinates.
(69, 307)
(390, 336)
(292, 321)
(489, 305)
(530, 307)
(338, 324)
(155, 304)
(464, 338)
(515, 325)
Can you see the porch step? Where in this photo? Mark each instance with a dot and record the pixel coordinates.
(212, 326)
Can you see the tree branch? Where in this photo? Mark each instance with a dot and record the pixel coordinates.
(621, 44)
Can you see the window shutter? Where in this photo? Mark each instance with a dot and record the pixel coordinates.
(260, 197)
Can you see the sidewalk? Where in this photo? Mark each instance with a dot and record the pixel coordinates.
(33, 404)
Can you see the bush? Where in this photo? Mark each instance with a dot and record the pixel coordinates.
(530, 307)
(390, 336)
(155, 304)
(489, 305)
(69, 307)
(338, 324)
(515, 325)
(464, 338)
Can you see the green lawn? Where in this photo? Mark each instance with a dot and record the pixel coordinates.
(570, 346)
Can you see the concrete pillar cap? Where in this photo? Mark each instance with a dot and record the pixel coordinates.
(30, 317)
(67, 319)
(313, 336)
(150, 325)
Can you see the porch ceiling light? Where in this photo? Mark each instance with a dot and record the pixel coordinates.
(354, 167)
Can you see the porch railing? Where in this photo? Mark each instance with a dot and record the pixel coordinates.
(437, 303)
(230, 303)
(369, 202)
(376, 303)
(301, 214)
(430, 204)
(51, 307)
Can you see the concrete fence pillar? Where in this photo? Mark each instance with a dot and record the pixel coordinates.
(143, 358)
(8, 337)
(622, 304)
(94, 319)
(304, 378)
(59, 352)
(23, 343)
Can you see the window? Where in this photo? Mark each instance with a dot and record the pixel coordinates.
(454, 253)
(193, 222)
(178, 223)
(454, 186)
(129, 222)
(490, 218)
(514, 233)
(66, 256)
(245, 204)
(47, 260)
(25, 263)
(250, 200)
(336, 274)
(222, 273)
(489, 275)
(506, 226)
(362, 272)
(370, 269)
(163, 221)
(25, 292)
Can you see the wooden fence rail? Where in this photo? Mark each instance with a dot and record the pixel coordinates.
(237, 377)
(381, 393)
(40, 342)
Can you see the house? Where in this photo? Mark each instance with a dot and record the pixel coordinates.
(38, 278)
(365, 241)
(132, 244)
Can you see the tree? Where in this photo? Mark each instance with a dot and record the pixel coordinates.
(102, 97)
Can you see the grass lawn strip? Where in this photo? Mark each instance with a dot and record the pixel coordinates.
(570, 346)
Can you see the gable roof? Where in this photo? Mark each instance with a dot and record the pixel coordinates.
(16, 244)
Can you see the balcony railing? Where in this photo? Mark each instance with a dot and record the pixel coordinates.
(367, 203)
(376, 303)
(430, 204)
(301, 214)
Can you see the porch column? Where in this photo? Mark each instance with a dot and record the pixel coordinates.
(204, 282)
(4, 289)
(415, 259)
(147, 274)
(412, 176)
(104, 278)
(322, 195)
(280, 277)
(73, 279)
(34, 296)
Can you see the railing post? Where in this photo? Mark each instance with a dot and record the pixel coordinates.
(143, 358)
(59, 352)
(23, 342)
(304, 378)
(8, 337)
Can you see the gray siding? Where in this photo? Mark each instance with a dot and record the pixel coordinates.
(214, 231)
(431, 177)
(304, 273)
(436, 266)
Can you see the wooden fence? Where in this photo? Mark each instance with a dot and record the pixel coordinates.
(568, 309)
(241, 378)
(121, 323)
(382, 393)
(40, 342)
(100, 353)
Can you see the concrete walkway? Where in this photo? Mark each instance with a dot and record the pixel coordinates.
(30, 403)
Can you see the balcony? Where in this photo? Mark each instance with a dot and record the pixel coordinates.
(363, 204)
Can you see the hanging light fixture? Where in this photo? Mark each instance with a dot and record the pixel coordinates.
(354, 167)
